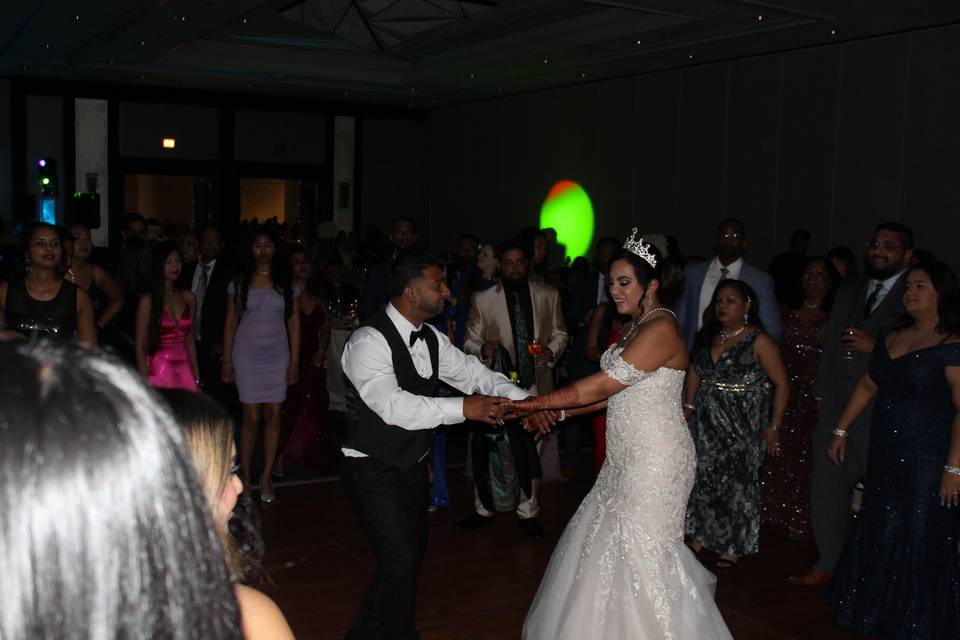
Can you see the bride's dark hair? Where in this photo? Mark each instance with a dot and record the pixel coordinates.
(667, 273)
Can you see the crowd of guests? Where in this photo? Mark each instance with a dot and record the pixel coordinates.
(800, 374)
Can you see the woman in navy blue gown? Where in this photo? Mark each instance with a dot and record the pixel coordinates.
(899, 573)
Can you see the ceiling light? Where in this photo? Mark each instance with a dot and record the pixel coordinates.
(690, 56)
(143, 43)
(639, 43)
(244, 21)
(473, 76)
(169, 143)
(759, 18)
(46, 45)
(500, 90)
(583, 75)
(76, 18)
(546, 60)
(833, 32)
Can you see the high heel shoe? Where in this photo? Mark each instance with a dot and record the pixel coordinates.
(267, 497)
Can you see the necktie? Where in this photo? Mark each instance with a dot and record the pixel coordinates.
(420, 334)
(201, 294)
(724, 273)
(872, 299)
(526, 369)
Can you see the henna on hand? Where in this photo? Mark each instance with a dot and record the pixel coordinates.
(568, 396)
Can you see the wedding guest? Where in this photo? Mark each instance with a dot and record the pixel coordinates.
(728, 403)
(207, 279)
(787, 268)
(341, 296)
(106, 295)
(376, 287)
(189, 247)
(522, 319)
(899, 573)
(38, 302)
(166, 353)
(112, 537)
(134, 276)
(480, 277)
(261, 350)
(863, 308)
(208, 435)
(305, 409)
(785, 479)
(727, 263)
(844, 261)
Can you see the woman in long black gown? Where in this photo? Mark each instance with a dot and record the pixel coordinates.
(899, 573)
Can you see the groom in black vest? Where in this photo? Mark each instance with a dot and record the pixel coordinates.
(393, 365)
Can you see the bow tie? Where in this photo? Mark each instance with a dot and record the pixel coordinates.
(419, 335)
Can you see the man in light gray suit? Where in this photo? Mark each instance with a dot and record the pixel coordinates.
(863, 309)
(701, 281)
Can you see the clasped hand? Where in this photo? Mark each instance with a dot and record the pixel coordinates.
(481, 408)
(533, 420)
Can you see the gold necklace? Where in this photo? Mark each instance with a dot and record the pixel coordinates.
(724, 336)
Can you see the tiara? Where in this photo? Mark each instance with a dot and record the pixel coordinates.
(636, 246)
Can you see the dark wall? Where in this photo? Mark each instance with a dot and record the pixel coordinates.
(833, 138)
(393, 166)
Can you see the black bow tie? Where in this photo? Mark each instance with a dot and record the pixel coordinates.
(419, 335)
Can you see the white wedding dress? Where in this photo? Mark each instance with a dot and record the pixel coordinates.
(621, 569)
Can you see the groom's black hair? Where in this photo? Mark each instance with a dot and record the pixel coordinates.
(408, 266)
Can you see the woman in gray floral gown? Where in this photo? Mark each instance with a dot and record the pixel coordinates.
(728, 395)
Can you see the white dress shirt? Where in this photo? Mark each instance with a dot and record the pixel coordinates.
(887, 286)
(367, 362)
(710, 282)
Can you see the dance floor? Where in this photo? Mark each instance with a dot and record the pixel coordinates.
(477, 585)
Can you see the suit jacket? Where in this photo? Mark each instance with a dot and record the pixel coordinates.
(836, 374)
(689, 304)
(490, 320)
(214, 307)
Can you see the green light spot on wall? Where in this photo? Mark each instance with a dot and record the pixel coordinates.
(569, 212)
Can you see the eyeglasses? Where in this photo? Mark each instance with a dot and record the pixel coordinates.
(730, 236)
(885, 245)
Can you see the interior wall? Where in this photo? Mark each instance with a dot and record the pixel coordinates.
(393, 165)
(834, 139)
(6, 158)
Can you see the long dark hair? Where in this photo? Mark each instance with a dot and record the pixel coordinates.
(834, 276)
(948, 297)
(158, 291)
(27, 238)
(279, 272)
(313, 286)
(107, 534)
(711, 326)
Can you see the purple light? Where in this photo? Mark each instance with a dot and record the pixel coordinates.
(41, 162)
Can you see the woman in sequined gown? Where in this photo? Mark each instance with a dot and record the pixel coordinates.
(620, 569)
(165, 350)
(39, 303)
(734, 366)
(899, 573)
(785, 479)
(305, 409)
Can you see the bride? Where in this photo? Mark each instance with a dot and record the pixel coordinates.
(621, 569)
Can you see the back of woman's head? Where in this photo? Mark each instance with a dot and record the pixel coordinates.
(135, 265)
(208, 435)
(105, 534)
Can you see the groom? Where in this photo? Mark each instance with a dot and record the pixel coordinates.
(393, 365)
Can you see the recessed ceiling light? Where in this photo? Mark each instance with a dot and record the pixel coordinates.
(143, 43)
(639, 43)
(76, 18)
(111, 61)
(346, 93)
(244, 21)
(546, 60)
(473, 76)
(690, 56)
(46, 45)
(833, 32)
(433, 102)
(759, 18)
(583, 75)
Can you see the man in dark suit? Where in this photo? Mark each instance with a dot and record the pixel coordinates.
(588, 292)
(376, 289)
(728, 263)
(207, 279)
(863, 309)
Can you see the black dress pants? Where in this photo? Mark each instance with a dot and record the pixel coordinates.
(391, 504)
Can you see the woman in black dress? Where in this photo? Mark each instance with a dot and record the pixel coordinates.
(899, 573)
(40, 303)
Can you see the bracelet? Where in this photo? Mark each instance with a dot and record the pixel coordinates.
(951, 469)
(840, 433)
(687, 405)
(563, 415)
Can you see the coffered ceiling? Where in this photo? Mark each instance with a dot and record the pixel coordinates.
(418, 53)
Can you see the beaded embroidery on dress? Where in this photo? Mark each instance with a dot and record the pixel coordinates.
(621, 569)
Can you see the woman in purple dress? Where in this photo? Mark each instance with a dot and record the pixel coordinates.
(785, 479)
(261, 350)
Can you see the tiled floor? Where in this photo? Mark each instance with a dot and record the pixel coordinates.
(477, 585)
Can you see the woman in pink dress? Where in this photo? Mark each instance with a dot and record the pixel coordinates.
(165, 351)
